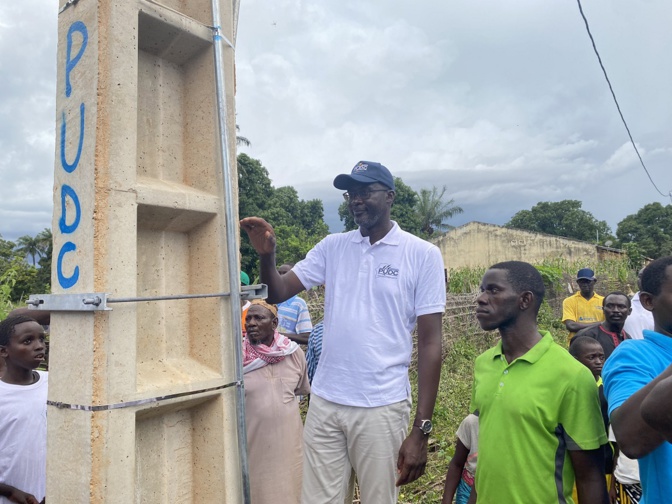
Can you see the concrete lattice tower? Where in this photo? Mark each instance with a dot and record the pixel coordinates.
(142, 397)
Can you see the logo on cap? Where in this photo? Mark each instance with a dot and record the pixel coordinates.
(360, 168)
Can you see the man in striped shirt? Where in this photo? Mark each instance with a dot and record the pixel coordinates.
(293, 315)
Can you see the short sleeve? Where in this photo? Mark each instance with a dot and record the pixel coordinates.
(303, 322)
(312, 270)
(431, 286)
(465, 430)
(569, 310)
(580, 414)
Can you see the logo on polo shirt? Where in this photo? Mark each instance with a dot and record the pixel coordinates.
(387, 271)
(360, 167)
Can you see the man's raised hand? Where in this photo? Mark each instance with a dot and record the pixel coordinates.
(261, 234)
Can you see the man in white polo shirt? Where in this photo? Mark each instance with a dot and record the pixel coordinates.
(380, 282)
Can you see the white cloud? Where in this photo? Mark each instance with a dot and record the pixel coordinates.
(502, 101)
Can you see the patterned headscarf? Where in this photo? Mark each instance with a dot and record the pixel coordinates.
(273, 309)
(258, 356)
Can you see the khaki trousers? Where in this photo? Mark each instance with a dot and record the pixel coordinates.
(339, 439)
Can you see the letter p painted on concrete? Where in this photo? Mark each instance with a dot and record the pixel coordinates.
(71, 63)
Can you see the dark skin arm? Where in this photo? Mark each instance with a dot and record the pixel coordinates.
(574, 326)
(656, 409)
(636, 438)
(43, 317)
(413, 452)
(262, 238)
(16, 495)
(301, 338)
(591, 485)
(454, 473)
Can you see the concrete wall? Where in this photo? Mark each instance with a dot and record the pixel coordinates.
(139, 211)
(478, 244)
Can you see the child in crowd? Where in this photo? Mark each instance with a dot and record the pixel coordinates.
(589, 352)
(23, 412)
(462, 467)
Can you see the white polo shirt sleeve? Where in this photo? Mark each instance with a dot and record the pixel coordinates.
(312, 270)
(430, 294)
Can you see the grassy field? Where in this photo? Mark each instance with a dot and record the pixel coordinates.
(463, 341)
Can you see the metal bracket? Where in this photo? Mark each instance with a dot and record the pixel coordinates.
(99, 301)
(86, 302)
(258, 291)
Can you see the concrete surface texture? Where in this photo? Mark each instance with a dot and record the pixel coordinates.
(139, 211)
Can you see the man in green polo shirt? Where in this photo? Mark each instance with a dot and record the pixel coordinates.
(539, 413)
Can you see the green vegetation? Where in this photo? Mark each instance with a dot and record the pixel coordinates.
(18, 277)
(645, 234)
(650, 229)
(298, 224)
(433, 211)
(463, 280)
(563, 218)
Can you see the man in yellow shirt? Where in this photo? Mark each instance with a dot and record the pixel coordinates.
(583, 308)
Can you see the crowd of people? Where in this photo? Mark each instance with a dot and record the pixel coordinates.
(591, 425)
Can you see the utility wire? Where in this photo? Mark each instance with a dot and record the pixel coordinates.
(611, 89)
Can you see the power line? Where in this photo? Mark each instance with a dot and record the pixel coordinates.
(611, 89)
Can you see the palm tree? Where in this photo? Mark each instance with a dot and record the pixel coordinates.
(241, 140)
(433, 211)
(44, 238)
(28, 246)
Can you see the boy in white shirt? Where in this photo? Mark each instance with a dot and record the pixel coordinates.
(23, 412)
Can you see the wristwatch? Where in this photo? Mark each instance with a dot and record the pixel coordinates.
(424, 425)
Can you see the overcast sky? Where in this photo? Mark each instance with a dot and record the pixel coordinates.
(503, 102)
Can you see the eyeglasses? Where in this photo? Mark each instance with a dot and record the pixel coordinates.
(363, 194)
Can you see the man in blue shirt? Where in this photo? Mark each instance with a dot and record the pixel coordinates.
(293, 315)
(631, 376)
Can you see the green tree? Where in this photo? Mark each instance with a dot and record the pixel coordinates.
(6, 253)
(563, 218)
(433, 211)
(25, 280)
(346, 217)
(298, 224)
(7, 282)
(403, 209)
(254, 186)
(650, 228)
(44, 240)
(29, 246)
(43, 277)
(18, 278)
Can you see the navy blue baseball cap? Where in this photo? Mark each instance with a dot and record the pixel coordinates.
(585, 274)
(365, 172)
